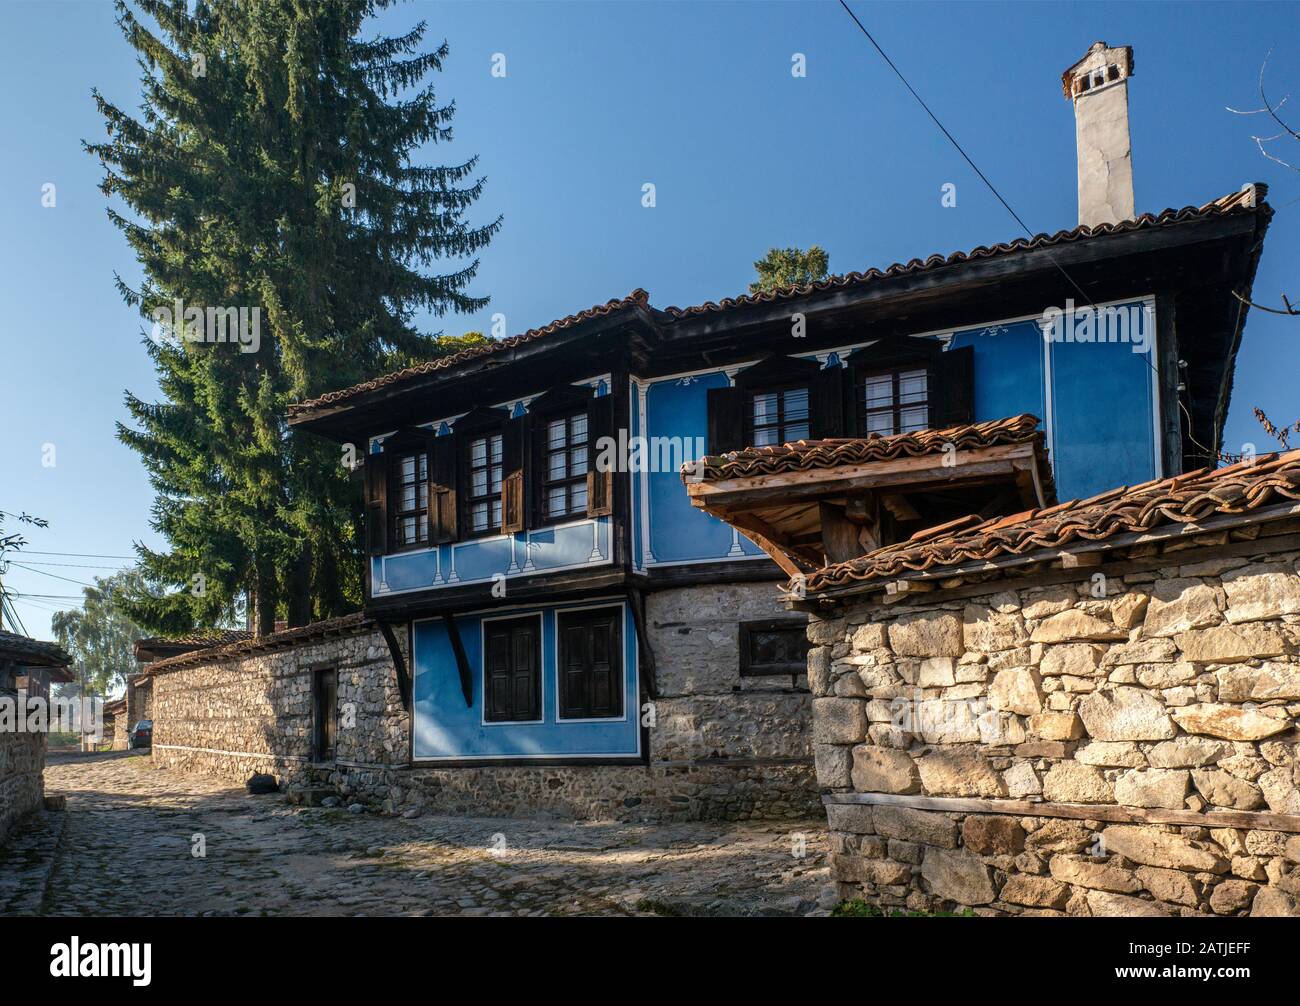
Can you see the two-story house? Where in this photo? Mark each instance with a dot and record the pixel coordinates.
(562, 600)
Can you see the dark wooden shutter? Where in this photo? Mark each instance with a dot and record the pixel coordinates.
(826, 404)
(600, 485)
(376, 504)
(591, 664)
(726, 420)
(511, 671)
(443, 455)
(952, 388)
(513, 517)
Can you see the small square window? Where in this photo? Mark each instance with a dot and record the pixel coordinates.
(776, 647)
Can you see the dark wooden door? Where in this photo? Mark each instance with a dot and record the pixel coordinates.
(326, 714)
(591, 664)
(513, 670)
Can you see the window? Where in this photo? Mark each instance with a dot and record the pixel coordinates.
(324, 713)
(410, 475)
(591, 664)
(512, 670)
(895, 401)
(773, 647)
(778, 417)
(484, 504)
(564, 472)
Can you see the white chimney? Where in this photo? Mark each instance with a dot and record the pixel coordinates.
(1098, 86)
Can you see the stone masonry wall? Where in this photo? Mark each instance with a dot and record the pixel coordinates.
(22, 787)
(1045, 750)
(720, 747)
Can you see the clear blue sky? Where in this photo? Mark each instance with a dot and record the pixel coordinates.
(598, 99)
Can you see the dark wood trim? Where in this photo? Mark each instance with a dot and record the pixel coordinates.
(1171, 424)
(462, 661)
(645, 652)
(399, 664)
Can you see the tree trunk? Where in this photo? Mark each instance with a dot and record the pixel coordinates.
(299, 612)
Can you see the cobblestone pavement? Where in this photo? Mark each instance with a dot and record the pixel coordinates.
(127, 849)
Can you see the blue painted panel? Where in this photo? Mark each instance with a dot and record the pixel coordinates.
(1008, 369)
(1103, 405)
(678, 531)
(444, 727)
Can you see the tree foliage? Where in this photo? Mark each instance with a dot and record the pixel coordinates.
(786, 267)
(98, 637)
(272, 166)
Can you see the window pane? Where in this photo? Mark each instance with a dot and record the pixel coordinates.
(555, 468)
(555, 433)
(494, 484)
(408, 468)
(579, 498)
(765, 437)
(578, 461)
(555, 501)
(764, 409)
(880, 422)
(916, 418)
(496, 512)
(799, 431)
(496, 450)
(579, 431)
(879, 391)
(478, 483)
(408, 498)
(479, 516)
(911, 387)
(796, 404)
(478, 453)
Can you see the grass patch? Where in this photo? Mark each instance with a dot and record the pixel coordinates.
(859, 909)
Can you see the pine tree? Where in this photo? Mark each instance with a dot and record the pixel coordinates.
(786, 267)
(271, 168)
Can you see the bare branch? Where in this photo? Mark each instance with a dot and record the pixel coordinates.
(1288, 310)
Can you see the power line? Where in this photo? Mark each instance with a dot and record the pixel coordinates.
(78, 555)
(56, 576)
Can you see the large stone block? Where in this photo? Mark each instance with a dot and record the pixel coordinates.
(1220, 789)
(1125, 714)
(1233, 723)
(1187, 752)
(957, 876)
(1228, 644)
(1182, 604)
(1037, 892)
(833, 764)
(882, 770)
(1071, 782)
(985, 630)
(1272, 903)
(1017, 690)
(850, 817)
(989, 835)
(959, 773)
(1076, 626)
(1156, 787)
(1262, 590)
(1104, 904)
(1170, 885)
(1259, 684)
(927, 634)
(1280, 791)
(1078, 660)
(1056, 726)
(839, 721)
(908, 825)
(1086, 872)
(1153, 847)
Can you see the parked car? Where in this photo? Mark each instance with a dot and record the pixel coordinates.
(141, 736)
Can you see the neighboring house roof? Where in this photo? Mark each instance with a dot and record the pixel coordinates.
(160, 647)
(636, 297)
(32, 652)
(1193, 503)
(345, 624)
(806, 455)
(1248, 200)
(115, 707)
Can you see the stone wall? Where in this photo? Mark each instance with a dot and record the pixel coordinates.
(1120, 747)
(721, 746)
(22, 787)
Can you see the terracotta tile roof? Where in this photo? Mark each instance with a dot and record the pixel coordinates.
(213, 637)
(805, 455)
(1250, 197)
(355, 622)
(1193, 497)
(31, 652)
(636, 297)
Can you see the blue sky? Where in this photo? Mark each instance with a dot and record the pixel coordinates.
(599, 99)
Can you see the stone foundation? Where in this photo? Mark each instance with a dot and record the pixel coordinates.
(1118, 746)
(22, 788)
(721, 746)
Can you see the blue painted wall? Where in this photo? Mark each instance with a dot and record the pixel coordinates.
(445, 728)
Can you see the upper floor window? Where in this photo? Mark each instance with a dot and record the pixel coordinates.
(484, 468)
(564, 472)
(410, 488)
(778, 416)
(895, 401)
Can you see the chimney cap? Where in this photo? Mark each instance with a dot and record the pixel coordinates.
(1112, 64)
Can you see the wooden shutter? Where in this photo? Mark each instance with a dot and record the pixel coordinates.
(513, 438)
(726, 420)
(591, 664)
(443, 455)
(952, 388)
(511, 671)
(826, 404)
(376, 504)
(600, 485)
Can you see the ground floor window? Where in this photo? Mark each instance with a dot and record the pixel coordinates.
(590, 664)
(512, 669)
(325, 720)
(778, 646)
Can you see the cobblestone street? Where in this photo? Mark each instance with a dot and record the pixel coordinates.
(130, 831)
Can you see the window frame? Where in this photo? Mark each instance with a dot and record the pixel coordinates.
(394, 491)
(318, 754)
(541, 472)
(485, 717)
(617, 613)
(780, 390)
(863, 374)
(744, 637)
(467, 469)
